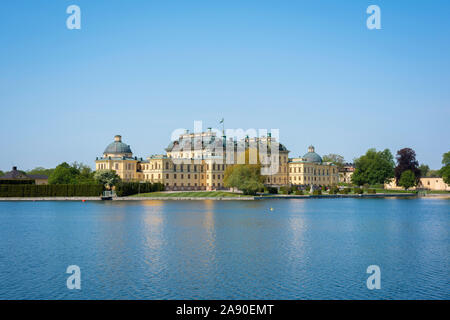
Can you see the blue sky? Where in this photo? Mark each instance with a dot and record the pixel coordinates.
(144, 68)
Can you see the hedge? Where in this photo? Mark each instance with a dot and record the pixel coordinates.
(271, 190)
(129, 188)
(16, 181)
(334, 190)
(54, 190)
(358, 190)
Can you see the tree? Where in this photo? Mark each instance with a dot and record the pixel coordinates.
(407, 180)
(424, 169)
(434, 174)
(445, 170)
(86, 175)
(1, 173)
(336, 159)
(108, 178)
(41, 170)
(375, 167)
(446, 159)
(406, 160)
(245, 177)
(64, 174)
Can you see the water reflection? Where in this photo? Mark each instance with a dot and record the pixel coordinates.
(315, 249)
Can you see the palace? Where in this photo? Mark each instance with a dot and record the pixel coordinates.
(197, 161)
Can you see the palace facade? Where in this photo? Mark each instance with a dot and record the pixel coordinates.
(197, 161)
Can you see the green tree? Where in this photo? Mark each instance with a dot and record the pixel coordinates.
(375, 167)
(407, 179)
(41, 170)
(336, 159)
(424, 169)
(108, 178)
(434, 174)
(64, 174)
(245, 177)
(446, 159)
(1, 173)
(445, 170)
(86, 175)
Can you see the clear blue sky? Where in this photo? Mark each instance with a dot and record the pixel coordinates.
(144, 68)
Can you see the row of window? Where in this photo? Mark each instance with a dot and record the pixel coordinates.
(308, 178)
(182, 176)
(128, 166)
(311, 170)
(195, 185)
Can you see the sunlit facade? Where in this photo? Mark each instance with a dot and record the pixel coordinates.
(197, 161)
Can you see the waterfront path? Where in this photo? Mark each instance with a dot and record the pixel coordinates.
(244, 198)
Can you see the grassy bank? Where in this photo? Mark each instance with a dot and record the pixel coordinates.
(190, 194)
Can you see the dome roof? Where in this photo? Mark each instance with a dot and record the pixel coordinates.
(117, 147)
(312, 156)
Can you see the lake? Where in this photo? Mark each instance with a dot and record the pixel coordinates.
(301, 249)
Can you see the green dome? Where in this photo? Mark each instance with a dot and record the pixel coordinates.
(311, 156)
(117, 147)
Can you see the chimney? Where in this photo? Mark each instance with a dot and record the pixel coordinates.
(118, 138)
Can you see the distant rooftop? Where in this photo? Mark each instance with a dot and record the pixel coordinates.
(18, 175)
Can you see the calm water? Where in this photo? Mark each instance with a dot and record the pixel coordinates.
(303, 249)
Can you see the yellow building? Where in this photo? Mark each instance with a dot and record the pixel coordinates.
(197, 161)
(435, 184)
(311, 170)
(346, 172)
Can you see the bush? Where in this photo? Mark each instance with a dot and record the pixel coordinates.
(371, 191)
(345, 191)
(284, 190)
(298, 192)
(129, 188)
(334, 190)
(271, 190)
(60, 190)
(317, 192)
(358, 190)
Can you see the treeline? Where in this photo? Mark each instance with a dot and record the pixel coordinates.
(124, 189)
(379, 167)
(61, 190)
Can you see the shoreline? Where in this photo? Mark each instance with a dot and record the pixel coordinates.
(250, 198)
